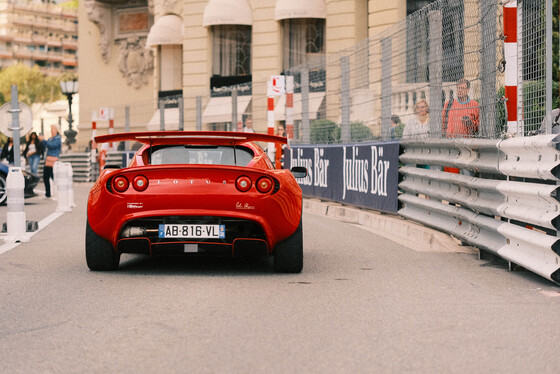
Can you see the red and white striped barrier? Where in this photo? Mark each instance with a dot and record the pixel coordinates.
(270, 117)
(510, 55)
(290, 106)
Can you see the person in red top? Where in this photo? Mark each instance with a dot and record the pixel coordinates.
(460, 117)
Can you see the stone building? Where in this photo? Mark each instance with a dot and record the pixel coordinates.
(39, 33)
(135, 53)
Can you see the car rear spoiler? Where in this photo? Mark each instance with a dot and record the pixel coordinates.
(191, 137)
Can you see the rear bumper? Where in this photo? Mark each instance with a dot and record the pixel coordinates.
(242, 237)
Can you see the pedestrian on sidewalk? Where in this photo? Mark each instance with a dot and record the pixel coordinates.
(53, 146)
(33, 152)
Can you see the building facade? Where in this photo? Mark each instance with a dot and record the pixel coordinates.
(39, 33)
(199, 50)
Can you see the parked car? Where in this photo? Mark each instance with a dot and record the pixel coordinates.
(31, 181)
(196, 193)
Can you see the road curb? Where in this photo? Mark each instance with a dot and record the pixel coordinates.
(392, 227)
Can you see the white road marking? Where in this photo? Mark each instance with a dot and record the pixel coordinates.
(42, 224)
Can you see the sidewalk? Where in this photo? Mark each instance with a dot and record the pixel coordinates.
(43, 211)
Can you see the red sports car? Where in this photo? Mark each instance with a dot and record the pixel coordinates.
(196, 193)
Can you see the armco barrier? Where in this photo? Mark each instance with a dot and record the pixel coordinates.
(497, 210)
(509, 206)
(82, 166)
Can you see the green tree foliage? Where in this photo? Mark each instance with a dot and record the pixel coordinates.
(33, 85)
(324, 131)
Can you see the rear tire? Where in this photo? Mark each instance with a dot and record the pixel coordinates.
(288, 255)
(100, 255)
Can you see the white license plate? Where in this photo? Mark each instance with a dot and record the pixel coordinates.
(192, 231)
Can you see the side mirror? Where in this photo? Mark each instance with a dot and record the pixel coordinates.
(299, 171)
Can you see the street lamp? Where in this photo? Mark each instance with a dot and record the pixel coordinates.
(69, 88)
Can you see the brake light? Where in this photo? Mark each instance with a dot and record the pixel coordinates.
(243, 183)
(120, 183)
(264, 184)
(140, 183)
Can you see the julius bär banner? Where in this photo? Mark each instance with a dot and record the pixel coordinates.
(365, 175)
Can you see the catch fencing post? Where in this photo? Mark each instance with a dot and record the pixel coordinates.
(233, 110)
(345, 135)
(510, 56)
(111, 125)
(435, 70)
(199, 113)
(127, 126)
(488, 63)
(386, 88)
(161, 115)
(306, 133)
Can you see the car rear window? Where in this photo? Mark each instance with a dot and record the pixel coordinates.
(207, 155)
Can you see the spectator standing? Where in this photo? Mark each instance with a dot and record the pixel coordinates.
(8, 151)
(418, 126)
(53, 146)
(397, 127)
(33, 151)
(460, 117)
(248, 125)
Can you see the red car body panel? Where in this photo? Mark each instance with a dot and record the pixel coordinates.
(185, 191)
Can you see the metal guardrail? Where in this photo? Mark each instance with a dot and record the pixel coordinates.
(531, 249)
(497, 210)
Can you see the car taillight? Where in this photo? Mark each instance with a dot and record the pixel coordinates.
(264, 184)
(120, 183)
(243, 183)
(140, 183)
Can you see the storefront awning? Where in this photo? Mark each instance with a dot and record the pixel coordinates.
(315, 101)
(171, 120)
(227, 12)
(219, 109)
(167, 30)
(300, 9)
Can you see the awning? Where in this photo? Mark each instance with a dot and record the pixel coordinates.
(219, 109)
(227, 12)
(300, 9)
(167, 30)
(315, 101)
(171, 120)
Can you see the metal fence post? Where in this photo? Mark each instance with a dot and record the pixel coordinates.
(234, 117)
(161, 115)
(386, 88)
(181, 104)
(199, 113)
(345, 135)
(127, 125)
(435, 72)
(306, 138)
(488, 65)
(549, 64)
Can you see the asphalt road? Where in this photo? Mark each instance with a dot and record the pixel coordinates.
(363, 304)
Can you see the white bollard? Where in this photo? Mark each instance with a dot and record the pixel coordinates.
(61, 182)
(71, 202)
(17, 226)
